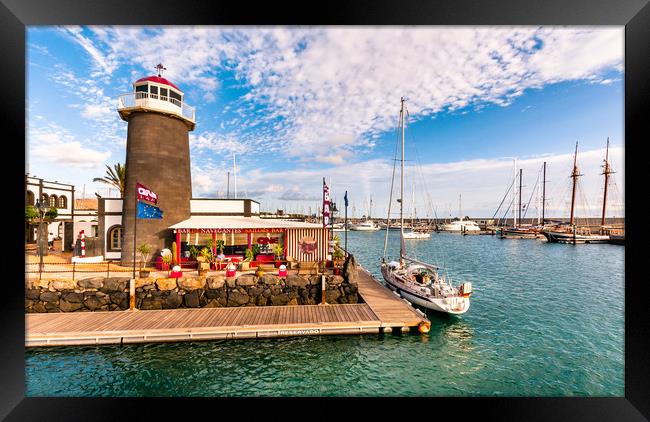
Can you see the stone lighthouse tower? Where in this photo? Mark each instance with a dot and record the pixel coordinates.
(157, 156)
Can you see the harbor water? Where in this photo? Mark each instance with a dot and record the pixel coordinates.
(545, 320)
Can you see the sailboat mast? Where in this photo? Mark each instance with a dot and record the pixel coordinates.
(519, 211)
(401, 185)
(413, 207)
(544, 193)
(574, 175)
(606, 171)
(234, 169)
(539, 199)
(514, 193)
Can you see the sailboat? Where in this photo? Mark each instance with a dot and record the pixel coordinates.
(520, 231)
(461, 225)
(417, 281)
(413, 233)
(368, 225)
(572, 233)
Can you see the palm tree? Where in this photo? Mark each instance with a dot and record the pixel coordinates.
(114, 176)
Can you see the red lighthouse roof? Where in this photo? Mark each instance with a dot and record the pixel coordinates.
(158, 79)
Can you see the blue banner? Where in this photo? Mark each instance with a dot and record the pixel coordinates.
(149, 211)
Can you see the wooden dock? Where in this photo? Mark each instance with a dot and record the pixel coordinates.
(382, 311)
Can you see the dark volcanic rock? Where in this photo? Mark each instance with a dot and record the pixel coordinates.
(91, 283)
(235, 298)
(73, 297)
(66, 306)
(92, 302)
(39, 307)
(297, 281)
(172, 301)
(33, 294)
(115, 284)
(331, 295)
(120, 299)
(280, 300)
(147, 304)
(191, 299)
(350, 270)
(49, 296)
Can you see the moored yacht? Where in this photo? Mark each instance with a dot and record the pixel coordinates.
(461, 226)
(419, 282)
(367, 226)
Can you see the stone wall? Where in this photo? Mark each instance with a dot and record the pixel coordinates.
(110, 294)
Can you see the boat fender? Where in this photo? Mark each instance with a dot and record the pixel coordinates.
(424, 327)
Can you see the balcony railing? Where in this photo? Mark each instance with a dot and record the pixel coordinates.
(156, 102)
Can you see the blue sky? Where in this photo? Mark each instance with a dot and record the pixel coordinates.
(296, 104)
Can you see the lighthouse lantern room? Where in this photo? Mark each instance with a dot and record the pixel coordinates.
(157, 94)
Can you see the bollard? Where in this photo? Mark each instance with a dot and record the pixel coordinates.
(322, 285)
(132, 294)
(73, 267)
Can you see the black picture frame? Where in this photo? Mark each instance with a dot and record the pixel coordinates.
(15, 15)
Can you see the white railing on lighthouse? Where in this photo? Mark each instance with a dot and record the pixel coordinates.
(156, 102)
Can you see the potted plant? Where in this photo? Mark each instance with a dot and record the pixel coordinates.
(259, 272)
(144, 250)
(278, 250)
(255, 250)
(245, 265)
(166, 262)
(194, 252)
(204, 256)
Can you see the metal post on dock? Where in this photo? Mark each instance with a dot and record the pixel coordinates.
(322, 286)
(132, 294)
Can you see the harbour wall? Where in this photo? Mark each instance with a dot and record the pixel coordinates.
(113, 293)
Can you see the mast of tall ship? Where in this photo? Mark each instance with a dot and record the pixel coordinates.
(401, 195)
(607, 170)
(574, 175)
(519, 210)
(543, 193)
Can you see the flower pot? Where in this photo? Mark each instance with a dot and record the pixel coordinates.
(336, 271)
(277, 264)
(164, 266)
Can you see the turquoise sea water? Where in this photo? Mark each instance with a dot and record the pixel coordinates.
(545, 320)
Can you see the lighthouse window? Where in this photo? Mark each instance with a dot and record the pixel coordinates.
(153, 89)
(141, 88)
(174, 98)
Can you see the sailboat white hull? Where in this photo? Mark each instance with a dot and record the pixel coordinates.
(460, 228)
(455, 305)
(364, 228)
(416, 235)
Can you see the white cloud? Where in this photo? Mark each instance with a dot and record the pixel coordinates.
(55, 145)
(338, 87)
(482, 184)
